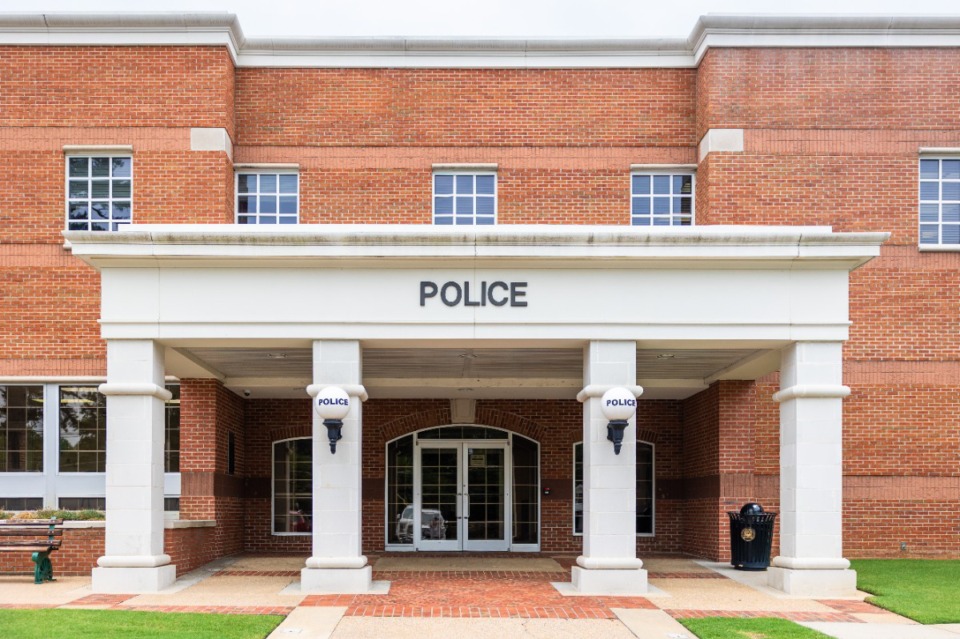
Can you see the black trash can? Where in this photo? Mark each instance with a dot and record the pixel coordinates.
(751, 537)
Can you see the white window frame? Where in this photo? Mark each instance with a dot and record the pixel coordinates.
(259, 170)
(670, 170)
(72, 152)
(455, 170)
(653, 490)
(939, 155)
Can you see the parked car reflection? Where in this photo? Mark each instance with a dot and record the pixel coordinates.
(432, 525)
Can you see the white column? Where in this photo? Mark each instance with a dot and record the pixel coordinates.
(134, 561)
(337, 564)
(811, 394)
(609, 563)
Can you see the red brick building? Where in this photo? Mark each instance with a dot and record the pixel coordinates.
(471, 228)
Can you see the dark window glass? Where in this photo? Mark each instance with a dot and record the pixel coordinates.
(83, 430)
(400, 491)
(171, 431)
(21, 429)
(82, 503)
(293, 486)
(526, 491)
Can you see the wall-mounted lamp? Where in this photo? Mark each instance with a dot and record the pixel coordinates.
(618, 405)
(332, 405)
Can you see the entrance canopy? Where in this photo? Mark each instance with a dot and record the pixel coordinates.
(495, 312)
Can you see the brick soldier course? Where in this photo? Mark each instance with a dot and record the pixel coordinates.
(823, 135)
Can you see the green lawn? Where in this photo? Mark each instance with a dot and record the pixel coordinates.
(761, 628)
(96, 624)
(925, 590)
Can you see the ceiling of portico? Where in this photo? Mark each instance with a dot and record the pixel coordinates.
(482, 373)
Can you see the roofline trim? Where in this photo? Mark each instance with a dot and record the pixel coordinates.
(710, 31)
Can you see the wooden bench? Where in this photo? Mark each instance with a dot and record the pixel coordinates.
(39, 536)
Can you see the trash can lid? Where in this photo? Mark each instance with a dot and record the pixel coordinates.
(751, 508)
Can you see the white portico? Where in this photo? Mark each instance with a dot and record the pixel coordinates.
(171, 293)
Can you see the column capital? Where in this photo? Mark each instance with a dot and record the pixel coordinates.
(812, 391)
(597, 390)
(120, 388)
(353, 390)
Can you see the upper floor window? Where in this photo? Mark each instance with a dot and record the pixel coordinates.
(661, 199)
(99, 192)
(465, 198)
(940, 201)
(268, 197)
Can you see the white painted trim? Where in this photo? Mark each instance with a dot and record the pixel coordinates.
(811, 563)
(597, 390)
(211, 139)
(97, 149)
(119, 388)
(712, 31)
(189, 523)
(932, 150)
(812, 391)
(353, 390)
(721, 140)
(939, 248)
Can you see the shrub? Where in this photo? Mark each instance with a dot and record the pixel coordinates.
(66, 515)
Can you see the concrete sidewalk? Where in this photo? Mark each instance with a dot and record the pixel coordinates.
(474, 597)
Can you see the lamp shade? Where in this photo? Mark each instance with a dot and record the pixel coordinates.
(618, 404)
(332, 403)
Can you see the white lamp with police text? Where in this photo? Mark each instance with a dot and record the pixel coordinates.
(332, 405)
(618, 405)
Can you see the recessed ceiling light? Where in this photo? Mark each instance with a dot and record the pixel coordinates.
(467, 356)
(666, 356)
(276, 355)
(464, 390)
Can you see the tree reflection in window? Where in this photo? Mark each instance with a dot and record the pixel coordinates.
(83, 430)
(293, 486)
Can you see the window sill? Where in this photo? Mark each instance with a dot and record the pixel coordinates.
(939, 248)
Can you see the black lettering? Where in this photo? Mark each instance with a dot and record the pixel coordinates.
(501, 301)
(517, 293)
(443, 294)
(427, 290)
(466, 296)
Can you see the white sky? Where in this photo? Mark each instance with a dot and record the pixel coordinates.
(576, 18)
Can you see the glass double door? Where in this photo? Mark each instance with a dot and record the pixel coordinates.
(462, 496)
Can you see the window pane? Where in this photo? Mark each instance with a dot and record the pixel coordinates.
(286, 219)
(485, 220)
(929, 191)
(661, 205)
(100, 188)
(640, 206)
(641, 184)
(121, 210)
(443, 184)
(443, 220)
(951, 234)
(79, 188)
(79, 212)
(100, 167)
(443, 205)
(79, 167)
(288, 183)
(78, 226)
(121, 188)
(464, 184)
(83, 423)
(268, 183)
(268, 204)
(268, 219)
(951, 213)
(292, 486)
(484, 206)
(951, 191)
(682, 184)
(485, 184)
(464, 206)
(246, 204)
(246, 183)
(641, 221)
(246, 219)
(929, 234)
(121, 167)
(661, 184)
(929, 212)
(950, 170)
(288, 204)
(929, 169)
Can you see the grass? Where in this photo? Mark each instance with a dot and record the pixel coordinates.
(925, 590)
(758, 628)
(96, 624)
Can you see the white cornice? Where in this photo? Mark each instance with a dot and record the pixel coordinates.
(549, 246)
(711, 31)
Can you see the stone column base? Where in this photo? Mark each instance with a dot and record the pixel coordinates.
(133, 581)
(813, 583)
(343, 581)
(609, 582)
